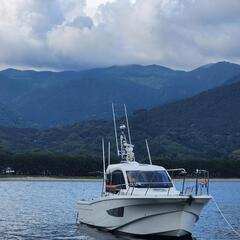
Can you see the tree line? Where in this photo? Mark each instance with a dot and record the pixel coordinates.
(63, 165)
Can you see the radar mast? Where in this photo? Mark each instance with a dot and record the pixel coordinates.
(126, 148)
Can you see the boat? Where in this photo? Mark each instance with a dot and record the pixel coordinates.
(142, 199)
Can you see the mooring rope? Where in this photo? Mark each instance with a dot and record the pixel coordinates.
(77, 218)
(228, 223)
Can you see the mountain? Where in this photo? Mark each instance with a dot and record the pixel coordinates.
(9, 118)
(50, 99)
(206, 126)
(203, 126)
(233, 80)
(174, 84)
(213, 75)
(85, 99)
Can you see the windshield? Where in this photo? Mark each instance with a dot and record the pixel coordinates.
(151, 179)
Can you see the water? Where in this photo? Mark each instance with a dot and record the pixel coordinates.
(47, 210)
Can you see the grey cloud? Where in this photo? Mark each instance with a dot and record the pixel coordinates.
(58, 34)
(81, 22)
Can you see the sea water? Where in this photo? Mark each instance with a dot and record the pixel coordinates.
(48, 209)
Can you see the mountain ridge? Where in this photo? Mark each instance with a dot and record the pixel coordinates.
(48, 99)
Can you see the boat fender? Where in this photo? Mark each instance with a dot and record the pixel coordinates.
(190, 200)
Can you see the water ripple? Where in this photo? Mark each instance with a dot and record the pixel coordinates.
(47, 210)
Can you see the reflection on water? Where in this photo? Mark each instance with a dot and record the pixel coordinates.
(101, 235)
(47, 210)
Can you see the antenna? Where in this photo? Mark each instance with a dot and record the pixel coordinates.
(104, 171)
(109, 153)
(149, 155)
(115, 128)
(129, 135)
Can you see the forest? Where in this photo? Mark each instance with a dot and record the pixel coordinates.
(79, 166)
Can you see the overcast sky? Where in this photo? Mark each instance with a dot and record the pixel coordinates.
(76, 34)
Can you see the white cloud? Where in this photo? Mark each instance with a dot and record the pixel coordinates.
(73, 34)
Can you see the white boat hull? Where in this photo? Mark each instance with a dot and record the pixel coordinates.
(169, 216)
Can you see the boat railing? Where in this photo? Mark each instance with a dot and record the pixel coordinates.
(198, 183)
(181, 174)
(130, 188)
(200, 178)
(149, 185)
(201, 181)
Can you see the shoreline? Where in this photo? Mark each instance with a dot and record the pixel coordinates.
(49, 179)
(82, 179)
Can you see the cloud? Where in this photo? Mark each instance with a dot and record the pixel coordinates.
(61, 34)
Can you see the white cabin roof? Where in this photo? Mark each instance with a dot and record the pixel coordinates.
(134, 166)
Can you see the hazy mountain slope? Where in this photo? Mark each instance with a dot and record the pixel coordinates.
(154, 76)
(85, 99)
(233, 80)
(171, 84)
(49, 99)
(206, 126)
(212, 75)
(9, 118)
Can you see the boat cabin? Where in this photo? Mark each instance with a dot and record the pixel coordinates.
(133, 175)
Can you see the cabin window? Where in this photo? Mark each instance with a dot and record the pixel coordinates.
(115, 181)
(116, 212)
(118, 178)
(151, 179)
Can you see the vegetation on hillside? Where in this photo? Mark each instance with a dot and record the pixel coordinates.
(206, 126)
(203, 130)
(62, 165)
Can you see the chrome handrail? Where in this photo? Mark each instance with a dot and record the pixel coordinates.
(203, 175)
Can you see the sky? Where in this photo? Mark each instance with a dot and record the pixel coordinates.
(81, 34)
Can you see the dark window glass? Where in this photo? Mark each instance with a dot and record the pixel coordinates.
(115, 181)
(117, 178)
(116, 212)
(151, 179)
